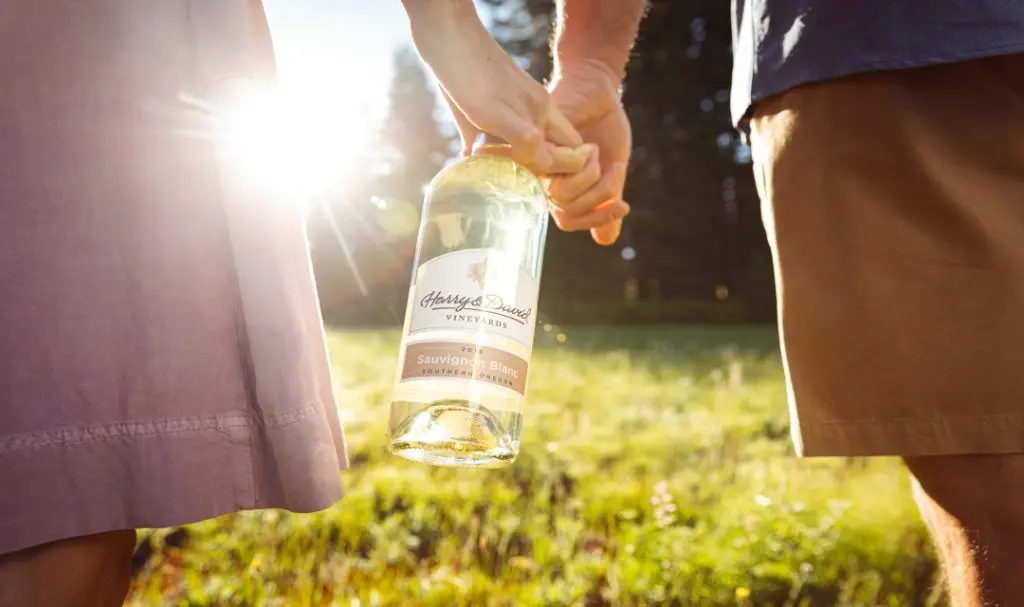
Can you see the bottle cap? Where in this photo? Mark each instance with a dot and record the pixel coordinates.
(484, 139)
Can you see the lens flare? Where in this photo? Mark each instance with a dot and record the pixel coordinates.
(294, 148)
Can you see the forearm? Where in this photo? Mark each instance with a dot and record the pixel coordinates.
(599, 33)
(427, 13)
(443, 27)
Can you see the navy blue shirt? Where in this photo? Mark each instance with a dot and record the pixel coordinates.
(780, 44)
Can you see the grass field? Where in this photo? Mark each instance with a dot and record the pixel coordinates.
(656, 470)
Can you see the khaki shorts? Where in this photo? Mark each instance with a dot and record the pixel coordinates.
(894, 205)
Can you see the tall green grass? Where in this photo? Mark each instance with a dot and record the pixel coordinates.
(656, 469)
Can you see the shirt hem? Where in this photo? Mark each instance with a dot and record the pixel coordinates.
(741, 120)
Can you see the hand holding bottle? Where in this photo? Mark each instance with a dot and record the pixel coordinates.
(488, 91)
(572, 177)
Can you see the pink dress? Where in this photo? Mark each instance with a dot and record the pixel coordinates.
(162, 358)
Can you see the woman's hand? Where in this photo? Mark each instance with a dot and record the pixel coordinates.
(488, 91)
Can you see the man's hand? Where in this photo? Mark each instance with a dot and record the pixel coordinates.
(593, 39)
(588, 96)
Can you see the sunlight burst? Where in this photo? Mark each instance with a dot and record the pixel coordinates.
(292, 144)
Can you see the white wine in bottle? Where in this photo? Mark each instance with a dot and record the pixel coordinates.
(469, 325)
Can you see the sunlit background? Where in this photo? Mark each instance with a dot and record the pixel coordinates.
(353, 134)
(335, 61)
(357, 130)
(340, 51)
(652, 468)
(351, 103)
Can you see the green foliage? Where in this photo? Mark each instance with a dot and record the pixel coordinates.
(656, 470)
(411, 132)
(523, 27)
(375, 217)
(645, 312)
(695, 222)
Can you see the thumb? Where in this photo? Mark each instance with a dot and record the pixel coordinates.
(467, 133)
(607, 234)
(467, 130)
(560, 131)
(525, 139)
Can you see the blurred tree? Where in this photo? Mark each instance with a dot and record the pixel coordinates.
(524, 28)
(695, 231)
(576, 271)
(677, 99)
(412, 146)
(376, 217)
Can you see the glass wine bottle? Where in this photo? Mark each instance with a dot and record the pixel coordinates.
(469, 325)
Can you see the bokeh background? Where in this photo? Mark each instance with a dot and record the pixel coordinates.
(693, 249)
(657, 467)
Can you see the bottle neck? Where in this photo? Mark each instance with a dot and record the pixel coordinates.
(486, 144)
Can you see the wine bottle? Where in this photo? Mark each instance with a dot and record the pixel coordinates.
(469, 324)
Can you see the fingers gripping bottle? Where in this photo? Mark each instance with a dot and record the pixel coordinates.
(469, 326)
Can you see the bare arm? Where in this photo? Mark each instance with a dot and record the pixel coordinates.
(488, 91)
(596, 34)
(443, 28)
(592, 43)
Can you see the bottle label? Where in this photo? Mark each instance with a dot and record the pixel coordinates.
(475, 290)
(436, 360)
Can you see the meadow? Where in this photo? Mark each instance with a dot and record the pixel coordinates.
(656, 469)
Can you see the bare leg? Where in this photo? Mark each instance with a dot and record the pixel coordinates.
(974, 508)
(92, 571)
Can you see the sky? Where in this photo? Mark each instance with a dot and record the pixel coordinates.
(340, 49)
(334, 60)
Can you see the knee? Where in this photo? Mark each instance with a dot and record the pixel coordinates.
(976, 490)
